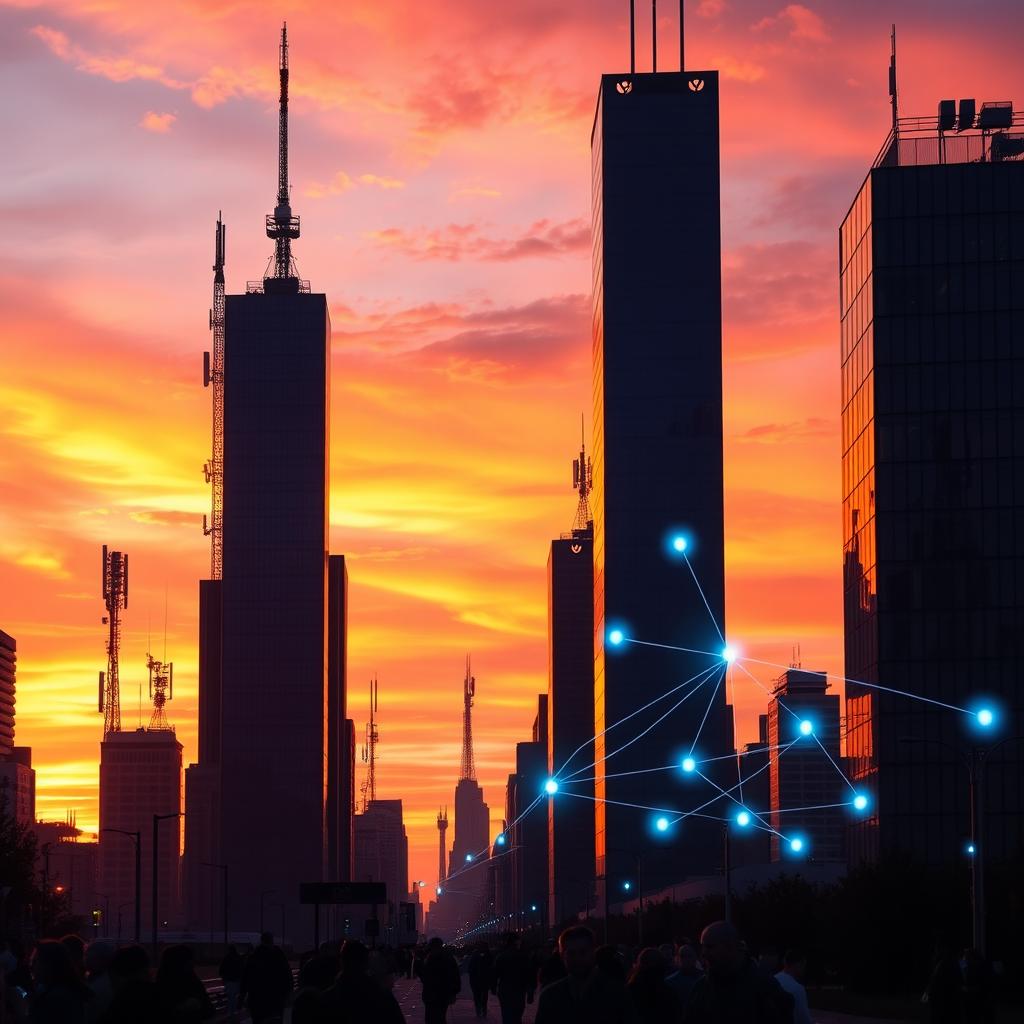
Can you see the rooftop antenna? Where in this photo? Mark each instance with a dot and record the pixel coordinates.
(654, 36)
(115, 598)
(682, 25)
(442, 827)
(281, 225)
(214, 469)
(632, 37)
(893, 95)
(161, 690)
(583, 482)
(468, 768)
(370, 750)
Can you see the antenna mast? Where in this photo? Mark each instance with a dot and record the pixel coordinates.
(583, 482)
(468, 768)
(893, 95)
(281, 225)
(442, 827)
(161, 690)
(370, 750)
(214, 469)
(115, 597)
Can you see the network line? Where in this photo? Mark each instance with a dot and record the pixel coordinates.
(707, 711)
(700, 590)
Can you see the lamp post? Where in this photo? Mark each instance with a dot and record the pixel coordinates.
(263, 896)
(224, 894)
(136, 838)
(157, 818)
(106, 913)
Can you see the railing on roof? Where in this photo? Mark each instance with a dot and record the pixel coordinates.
(256, 287)
(920, 143)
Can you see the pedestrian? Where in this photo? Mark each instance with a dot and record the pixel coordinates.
(550, 966)
(943, 992)
(266, 981)
(790, 979)
(59, 995)
(585, 995)
(733, 990)
(135, 996)
(514, 980)
(481, 969)
(358, 998)
(99, 956)
(441, 982)
(682, 981)
(230, 972)
(652, 1000)
(181, 994)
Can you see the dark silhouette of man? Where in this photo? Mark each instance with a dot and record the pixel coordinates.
(481, 965)
(734, 991)
(683, 980)
(585, 995)
(266, 981)
(514, 981)
(356, 997)
(441, 982)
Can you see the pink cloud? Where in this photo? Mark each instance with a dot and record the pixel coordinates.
(159, 123)
(802, 21)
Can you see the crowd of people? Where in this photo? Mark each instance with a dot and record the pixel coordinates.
(576, 981)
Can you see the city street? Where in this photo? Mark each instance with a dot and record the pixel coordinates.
(408, 995)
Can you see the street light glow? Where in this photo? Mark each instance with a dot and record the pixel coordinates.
(689, 765)
(743, 819)
(615, 637)
(796, 845)
(985, 717)
(551, 787)
(627, 886)
(679, 544)
(501, 839)
(661, 824)
(806, 727)
(860, 802)
(728, 655)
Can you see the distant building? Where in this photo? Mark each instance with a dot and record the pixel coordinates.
(382, 855)
(17, 776)
(346, 837)
(528, 830)
(808, 773)
(657, 369)
(340, 796)
(755, 847)
(932, 346)
(68, 865)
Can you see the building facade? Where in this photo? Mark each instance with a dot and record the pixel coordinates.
(382, 855)
(17, 776)
(932, 309)
(657, 452)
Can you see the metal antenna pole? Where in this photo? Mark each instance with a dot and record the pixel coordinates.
(281, 225)
(115, 598)
(682, 26)
(632, 37)
(654, 36)
(214, 469)
(893, 96)
(468, 767)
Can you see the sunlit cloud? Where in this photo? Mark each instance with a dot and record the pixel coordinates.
(159, 123)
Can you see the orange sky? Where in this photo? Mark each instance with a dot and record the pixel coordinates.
(440, 166)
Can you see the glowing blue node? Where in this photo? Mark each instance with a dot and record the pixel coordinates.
(860, 802)
(743, 819)
(438, 891)
(970, 849)
(551, 787)
(796, 845)
(689, 765)
(469, 857)
(615, 637)
(729, 654)
(985, 717)
(806, 727)
(679, 544)
(533, 907)
(500, 840)
(661, 824)
(627, 886)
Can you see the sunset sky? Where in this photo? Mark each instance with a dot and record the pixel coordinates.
(440, 161)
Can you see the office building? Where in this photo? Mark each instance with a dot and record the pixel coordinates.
(17, 776)
(382, 855)
(805, 770)
(528, 829)
(340, 798)
(932, 308)
(754, 766)
(657, 365)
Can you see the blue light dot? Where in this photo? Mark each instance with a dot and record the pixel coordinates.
(551, 787)
(469, 857)
(796, 845)
(533, 906)
(860, 802)
(970, 848)
(438, 891)
(729, 654)
(806, 727)
(627, 886)
(743, 819)
(500, 840)
(661, 824)
(679, 544)
(615, 637)
(689, 765)
(985, 717)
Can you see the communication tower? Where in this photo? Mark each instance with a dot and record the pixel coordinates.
(282, 227)
(468, 767)
(442, 827)
(115, 598)
(214, 374)
(161, 690)
(583, 482)
(370, 750)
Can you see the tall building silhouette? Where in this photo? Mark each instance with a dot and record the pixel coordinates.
(340, 801)
(657, 365)
(17, 776)
(570, 717)
(932, 311)
(382, 855)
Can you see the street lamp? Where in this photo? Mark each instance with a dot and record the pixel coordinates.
(638, 861)
(157, 818)
(136, 838)
(224, 893)
(106, 913)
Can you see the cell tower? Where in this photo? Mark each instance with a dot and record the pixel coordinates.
(115, 597)
(442, 827)
(468, 768)
(583, 482)
(161, 690)
(370, 750)
(282, 227)
(214, 469)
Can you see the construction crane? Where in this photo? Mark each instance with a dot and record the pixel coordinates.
(214, 374)
(468, 767)
(161, 690)
(282, 227)
(115, 598)
(370, 750)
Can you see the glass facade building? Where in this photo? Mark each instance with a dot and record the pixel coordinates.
(932, 339)
(657, 462)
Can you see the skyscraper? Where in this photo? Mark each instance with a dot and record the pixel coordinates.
(657, 364)
(17, 776)
(340, 803)
(382, 855)
(931, 260)
(571, 706)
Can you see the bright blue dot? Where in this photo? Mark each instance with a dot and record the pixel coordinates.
(689, 765)
(970, 848)
(469, 857)
(615, 637)
(796, 845)
(533, 906)
(860, 802)
(743, 819)
(806, 727)
(627, 886)
(679, 544)
(500, 840)
(985, 717)
(438, 891)
(551, 787)
(661, 824)
(729, 654)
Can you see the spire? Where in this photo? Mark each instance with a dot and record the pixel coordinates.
(468, 768)
(281, 225)
(442, 825)
(583, 482)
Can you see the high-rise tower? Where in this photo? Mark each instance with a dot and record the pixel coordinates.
(657, 364)
(442, 828)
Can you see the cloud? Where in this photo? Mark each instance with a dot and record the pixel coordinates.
(454, 242)
(738, 70)
(476, 191)
(710, 8)
(778, 284)
(342, 182)
(381, 181)
(783, 433)
(159, 123)
(803, 23)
